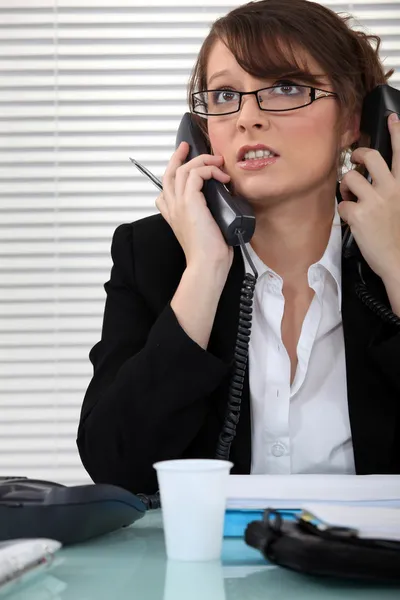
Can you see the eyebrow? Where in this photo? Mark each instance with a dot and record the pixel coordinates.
(305, 76)
(218, 73)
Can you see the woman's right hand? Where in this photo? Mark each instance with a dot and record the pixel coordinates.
(183, 206)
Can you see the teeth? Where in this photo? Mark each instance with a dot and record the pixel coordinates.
(258, 154)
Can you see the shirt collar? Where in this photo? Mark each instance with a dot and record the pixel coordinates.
(331, 260)
(332, 257)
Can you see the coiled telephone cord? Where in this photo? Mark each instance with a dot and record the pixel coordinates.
(377, 307)
(241, 354)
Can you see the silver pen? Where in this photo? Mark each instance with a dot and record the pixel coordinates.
(148, 173)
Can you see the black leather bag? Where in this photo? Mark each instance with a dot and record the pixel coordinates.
(338, 552)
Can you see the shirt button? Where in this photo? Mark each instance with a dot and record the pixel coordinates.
(278, 449)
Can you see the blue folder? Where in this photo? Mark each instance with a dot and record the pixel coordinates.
(236, 521)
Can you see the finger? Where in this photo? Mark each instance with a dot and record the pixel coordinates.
(347, 211)
(163, 207)
(394, 128)
(199, 161)
(177, 161)
(354, 186)
(374, 163)
(180, 155)
(182, 173)
(196, 178)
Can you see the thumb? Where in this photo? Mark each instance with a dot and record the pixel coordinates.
(183, 150)
(346, 210)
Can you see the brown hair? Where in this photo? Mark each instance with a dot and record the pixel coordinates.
(264, 36)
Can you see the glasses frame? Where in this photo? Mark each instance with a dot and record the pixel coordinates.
(315, 94)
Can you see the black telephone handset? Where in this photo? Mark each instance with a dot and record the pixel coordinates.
(232, 213)
(375, 134)
(235, 218)
(377, 106)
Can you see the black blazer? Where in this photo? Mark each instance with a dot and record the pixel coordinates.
(156, 395)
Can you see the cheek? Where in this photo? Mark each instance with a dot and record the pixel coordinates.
(218, 138)
(313, 140)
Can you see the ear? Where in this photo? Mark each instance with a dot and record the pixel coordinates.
(351, 131)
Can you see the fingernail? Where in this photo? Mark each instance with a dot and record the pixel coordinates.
(394, 117)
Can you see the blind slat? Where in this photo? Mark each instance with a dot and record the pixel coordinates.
(31, 340)
(25, 355)
(25, 384)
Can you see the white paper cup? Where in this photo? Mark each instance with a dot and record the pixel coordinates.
(193, 500)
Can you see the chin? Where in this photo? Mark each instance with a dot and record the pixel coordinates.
(261, 192)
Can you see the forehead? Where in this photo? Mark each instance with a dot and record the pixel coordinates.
(222, 59)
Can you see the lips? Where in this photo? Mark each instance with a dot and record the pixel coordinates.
(254, 147)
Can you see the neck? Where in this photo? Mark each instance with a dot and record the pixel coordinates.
(293, 234)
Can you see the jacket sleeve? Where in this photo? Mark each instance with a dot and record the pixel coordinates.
(148, 397)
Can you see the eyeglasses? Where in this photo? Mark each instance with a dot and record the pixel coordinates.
(278, 98)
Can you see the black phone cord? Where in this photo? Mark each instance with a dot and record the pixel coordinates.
(377, 307)
(241, 353)
(151, 501)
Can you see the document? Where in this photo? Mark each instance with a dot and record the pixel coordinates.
(295, 491)
(370, 522)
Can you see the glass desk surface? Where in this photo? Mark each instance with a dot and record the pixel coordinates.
(131, 564)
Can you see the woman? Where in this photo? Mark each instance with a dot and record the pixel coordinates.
(322, 391)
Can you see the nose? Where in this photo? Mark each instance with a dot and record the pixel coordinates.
(251, 116)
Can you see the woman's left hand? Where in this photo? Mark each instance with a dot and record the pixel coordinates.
(375, 219)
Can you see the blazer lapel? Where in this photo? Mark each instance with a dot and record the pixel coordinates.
(222, 344)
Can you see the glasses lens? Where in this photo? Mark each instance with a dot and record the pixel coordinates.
(216, 102)
(284, 97)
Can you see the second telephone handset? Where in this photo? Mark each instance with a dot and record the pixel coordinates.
(233, 214)
(377, 106)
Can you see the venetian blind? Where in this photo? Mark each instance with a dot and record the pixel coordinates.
(78, 81)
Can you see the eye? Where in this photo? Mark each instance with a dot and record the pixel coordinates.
(224, 96)
(288, 88)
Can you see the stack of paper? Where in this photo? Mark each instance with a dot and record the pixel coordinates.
(295, 491)
(370, 521)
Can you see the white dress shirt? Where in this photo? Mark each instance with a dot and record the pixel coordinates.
(303, 427)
